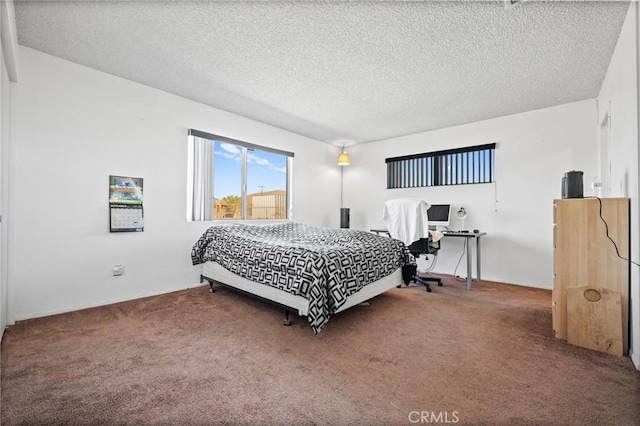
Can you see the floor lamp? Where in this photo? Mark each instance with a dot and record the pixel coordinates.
(343, 160)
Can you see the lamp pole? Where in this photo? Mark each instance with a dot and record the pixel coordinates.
(343, 160)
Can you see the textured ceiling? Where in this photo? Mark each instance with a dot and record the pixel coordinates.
(330, 70)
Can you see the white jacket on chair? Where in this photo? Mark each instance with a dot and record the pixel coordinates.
(406, 219)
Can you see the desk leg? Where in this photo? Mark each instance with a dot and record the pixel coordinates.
(478, 259)
(469, 271)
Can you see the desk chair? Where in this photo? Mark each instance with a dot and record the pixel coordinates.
(407, 221)
(423, 246)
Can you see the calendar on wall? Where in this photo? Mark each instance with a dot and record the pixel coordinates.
(126, 213)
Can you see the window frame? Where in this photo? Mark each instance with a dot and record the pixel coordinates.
(246, 147)
(458, 166)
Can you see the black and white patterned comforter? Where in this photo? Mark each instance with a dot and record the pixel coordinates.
(323, 265)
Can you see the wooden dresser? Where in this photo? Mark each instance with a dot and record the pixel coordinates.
(584, 258)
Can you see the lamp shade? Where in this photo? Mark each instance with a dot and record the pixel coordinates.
(343, 159)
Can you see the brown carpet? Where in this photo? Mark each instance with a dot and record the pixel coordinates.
(485, 357)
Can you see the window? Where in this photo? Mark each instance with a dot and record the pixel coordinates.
(475, 164)
(231, 179)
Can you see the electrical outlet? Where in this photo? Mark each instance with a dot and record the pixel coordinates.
(117, 270)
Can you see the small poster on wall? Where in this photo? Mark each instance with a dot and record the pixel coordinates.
(125, 204)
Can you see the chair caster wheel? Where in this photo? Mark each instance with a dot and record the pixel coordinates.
(210, 290)
(428, 289)
(286, 322)
(440, 284)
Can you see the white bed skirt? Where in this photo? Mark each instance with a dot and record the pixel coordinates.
(215, 272)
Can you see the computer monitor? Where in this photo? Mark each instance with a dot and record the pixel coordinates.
(438, 215)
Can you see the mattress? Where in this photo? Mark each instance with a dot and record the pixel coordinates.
(215, 272)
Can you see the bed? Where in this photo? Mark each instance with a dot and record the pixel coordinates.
(313, 271)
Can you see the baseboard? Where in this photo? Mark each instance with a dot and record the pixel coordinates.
(104, 303)
(635, 358)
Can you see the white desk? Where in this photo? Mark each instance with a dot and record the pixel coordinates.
(467, 236)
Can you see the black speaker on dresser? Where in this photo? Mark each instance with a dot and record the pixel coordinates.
(572, 184)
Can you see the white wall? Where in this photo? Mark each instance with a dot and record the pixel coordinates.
(619, 95)
(8, 77)
(4, 144)
(75, 127)
(534, 150)
(5, 87)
